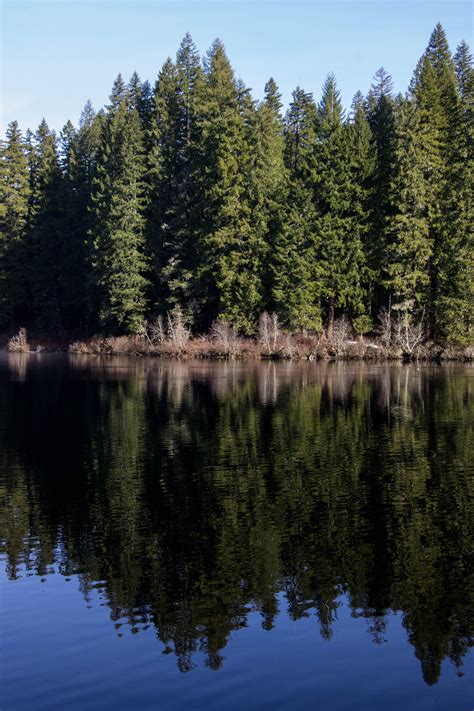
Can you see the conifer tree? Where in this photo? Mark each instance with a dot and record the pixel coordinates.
(381, 116)
(340, 251)
(434, 90)
(45, 238)
(14, 199)
(454, 301)
(228, 281)
(78, 157)
(294, 271)
(363, 166)
(172, 192)
(409, 246)
(117, 232)
(267, 174)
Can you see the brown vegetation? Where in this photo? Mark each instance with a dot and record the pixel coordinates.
(396, 338)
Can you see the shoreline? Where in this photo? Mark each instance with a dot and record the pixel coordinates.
(293, 348)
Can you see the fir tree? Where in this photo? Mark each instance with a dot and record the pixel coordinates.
(381, 116)
(267, 177)
(340, 252)
(409, 247)
(434, 90)
(173, 194)
(45, 238)
(229, 250)
(294, 272)
(14, 199)
(117, 232)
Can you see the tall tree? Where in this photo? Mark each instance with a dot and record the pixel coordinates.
(434, 90)
(381, 116)
(14, 199)
(409, 247)
(267, 177)
(228, 281)
(454, 300)
(117, 232)
(172, 192)
(296, 282)
(340, 252)
(46, 233)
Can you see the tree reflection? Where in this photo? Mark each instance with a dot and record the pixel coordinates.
(192, 493)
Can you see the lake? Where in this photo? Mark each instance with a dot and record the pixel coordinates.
(199, 535)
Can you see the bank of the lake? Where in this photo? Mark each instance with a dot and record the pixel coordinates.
(228, 346)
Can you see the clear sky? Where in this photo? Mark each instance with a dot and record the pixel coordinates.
(56, 55)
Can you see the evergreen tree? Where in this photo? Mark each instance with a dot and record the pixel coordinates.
(434, 90)
(340, 251)
(117, 232)
(381, 116)
(363, 166)
(14, 199)
(228, 281)
(46, 233)
(172, 193)
(267, 173)
(454, 304)
(294, 271)
(409, 247)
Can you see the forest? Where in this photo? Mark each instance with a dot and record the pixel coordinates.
(190, 197)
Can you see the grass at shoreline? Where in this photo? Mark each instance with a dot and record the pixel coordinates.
(289, 347)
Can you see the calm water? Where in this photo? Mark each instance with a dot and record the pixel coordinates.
(238, 536)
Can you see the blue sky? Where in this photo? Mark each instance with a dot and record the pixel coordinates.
(56, 55)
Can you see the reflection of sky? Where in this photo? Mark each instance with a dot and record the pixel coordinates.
(56, 55)
(66, 653)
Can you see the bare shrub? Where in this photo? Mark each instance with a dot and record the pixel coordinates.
(155, 330)
(385, 326)
(178, 332)
(342, 332)
(408, 334)
(225, 335)
(19, 342)
(269, 331)
(288, 347)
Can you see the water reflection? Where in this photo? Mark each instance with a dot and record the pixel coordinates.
(193, 493)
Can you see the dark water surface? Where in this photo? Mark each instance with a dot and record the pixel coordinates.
(239, 536)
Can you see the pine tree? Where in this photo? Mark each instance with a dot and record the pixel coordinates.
(381, 116)
(172, 192)
(454, 302)
(340, 252)
(228, 281)
(14, 199)
(267, 177)
(294, 271)
(117, 232)
(45, 238)
(409, 246)
(78, 157)
(434, 90)
(363, 167)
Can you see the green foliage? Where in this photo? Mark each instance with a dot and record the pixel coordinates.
(191, 195)
(409, 247)
(14, 199)
(117, 232)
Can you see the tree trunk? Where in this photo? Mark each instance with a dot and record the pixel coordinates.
(331, 317)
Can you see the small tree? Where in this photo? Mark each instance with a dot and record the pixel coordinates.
(408, 333)
(178, 332)
(226, 334)
(269, 331)
(156, 330)
(385, 326)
